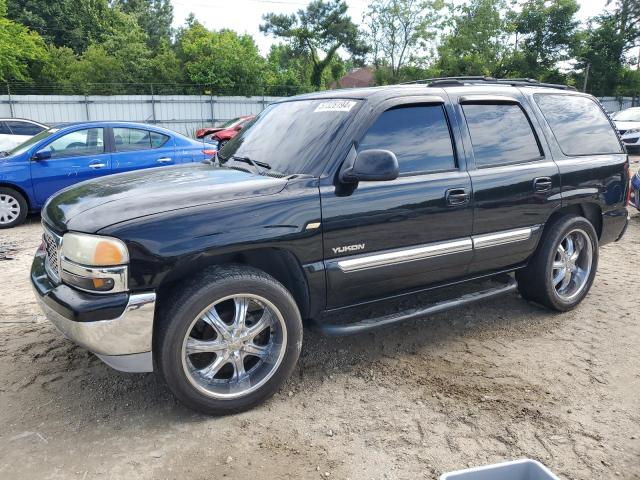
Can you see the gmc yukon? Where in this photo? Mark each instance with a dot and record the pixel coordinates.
(456, 189)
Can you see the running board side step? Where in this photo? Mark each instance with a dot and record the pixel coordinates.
(373, 323)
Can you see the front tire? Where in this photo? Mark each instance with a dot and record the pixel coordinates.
(13, 208)
(563, 267)
(228, 340)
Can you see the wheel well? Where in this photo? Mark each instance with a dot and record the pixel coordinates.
(19, 190)
(280, 264)
(590, 211)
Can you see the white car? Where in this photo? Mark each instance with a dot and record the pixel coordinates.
(14, 131)
(628, 124)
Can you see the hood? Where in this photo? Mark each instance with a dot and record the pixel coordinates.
(96, 204)
(626, 125)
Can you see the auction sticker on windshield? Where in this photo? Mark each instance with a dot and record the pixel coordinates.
(335, 106)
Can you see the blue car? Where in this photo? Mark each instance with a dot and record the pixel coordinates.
(62, 156)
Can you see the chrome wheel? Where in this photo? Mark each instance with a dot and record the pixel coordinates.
(572, 264)
(234, 346)
(9, 209)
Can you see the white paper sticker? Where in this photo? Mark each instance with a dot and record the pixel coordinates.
(335, 106)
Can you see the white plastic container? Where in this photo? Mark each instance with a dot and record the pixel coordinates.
(525, 469)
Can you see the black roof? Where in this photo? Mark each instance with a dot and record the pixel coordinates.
(433, 86)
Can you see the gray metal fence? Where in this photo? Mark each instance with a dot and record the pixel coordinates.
(613, 104)
(182, 113)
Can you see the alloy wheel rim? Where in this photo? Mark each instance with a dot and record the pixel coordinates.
(234, 346)
(9, 209)
(572, 264)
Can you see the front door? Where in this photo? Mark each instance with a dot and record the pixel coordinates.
(136, 148)
(516, 183)
(74, 157)
(392, 237)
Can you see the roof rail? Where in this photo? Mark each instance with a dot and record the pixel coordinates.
(515, 82)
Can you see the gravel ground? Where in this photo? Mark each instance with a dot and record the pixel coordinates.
(496, 381)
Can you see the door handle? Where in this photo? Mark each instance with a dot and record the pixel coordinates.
(457, 196)
(95, 166)
(542, 184)
(164, 160)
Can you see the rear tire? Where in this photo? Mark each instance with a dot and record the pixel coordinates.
(13, 208)
(228, 340)
(563, 267)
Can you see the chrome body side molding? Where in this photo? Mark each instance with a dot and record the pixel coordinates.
(460, 245)
(406, 255)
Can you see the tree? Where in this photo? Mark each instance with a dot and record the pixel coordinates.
(70, 23)
(153, 16)
(545, 33)
(224, 59)
(324, 27)
(477, 41)
(397, 29)
(19, 49)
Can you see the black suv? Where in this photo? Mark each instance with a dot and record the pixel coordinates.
(458, 189)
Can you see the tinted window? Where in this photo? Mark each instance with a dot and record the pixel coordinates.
(4, 129)
(158, 139)
(418, 135)
(24, 128)
(294, 136)
(579, 125)
(127, 139)
(89, 141)
(500, 133)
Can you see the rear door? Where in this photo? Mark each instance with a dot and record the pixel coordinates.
(75, 156)
(136, 148)
(391, 237)
(516, 183)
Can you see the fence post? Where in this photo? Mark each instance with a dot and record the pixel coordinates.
(10, 102)
(211, 102)
(86, 107)
(153, 106)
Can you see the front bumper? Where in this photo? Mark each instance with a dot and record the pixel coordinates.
(118, 330)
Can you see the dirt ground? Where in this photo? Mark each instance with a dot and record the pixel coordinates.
(496, 381)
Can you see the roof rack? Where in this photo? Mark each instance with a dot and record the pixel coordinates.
(514, 82)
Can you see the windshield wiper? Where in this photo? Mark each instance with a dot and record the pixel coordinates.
(259, 166)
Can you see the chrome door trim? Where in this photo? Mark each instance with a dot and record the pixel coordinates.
(421, 252)
(500, 238)
(406, 255)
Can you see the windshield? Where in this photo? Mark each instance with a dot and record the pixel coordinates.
(292, 137)
(23, 147)
(628, 115)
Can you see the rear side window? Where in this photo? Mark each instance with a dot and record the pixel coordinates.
(418, 135)
(500, 134)
(24, 128)
(128, 139)
(579, 124)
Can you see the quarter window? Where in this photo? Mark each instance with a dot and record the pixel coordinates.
(4, 129)
(158, 139)
(579, 124)
(418, 135)
(89, 141)
(500, 134)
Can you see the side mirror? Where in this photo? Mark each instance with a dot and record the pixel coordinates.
(372, 166)
(41, 155)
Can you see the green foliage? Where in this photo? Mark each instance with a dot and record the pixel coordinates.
(154, 17)
(19, 50)
(322, 27)
(225, 60)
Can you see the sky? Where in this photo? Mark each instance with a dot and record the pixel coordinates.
(245, 16)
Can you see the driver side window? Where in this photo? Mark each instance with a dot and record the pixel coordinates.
(89, 141)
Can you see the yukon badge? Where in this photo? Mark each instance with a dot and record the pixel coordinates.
(349, 248)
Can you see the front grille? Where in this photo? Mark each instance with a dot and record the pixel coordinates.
(52, 242)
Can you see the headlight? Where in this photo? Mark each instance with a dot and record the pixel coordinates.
(633, 130)
(94, 250)
(93, 263)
